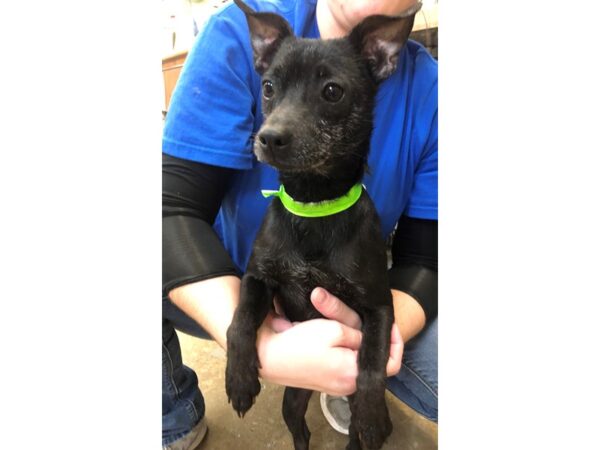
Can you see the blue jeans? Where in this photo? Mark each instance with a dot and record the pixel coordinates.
(182, 401)
(183, 404)
(417, 382)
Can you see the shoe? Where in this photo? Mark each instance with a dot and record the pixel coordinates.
(191, 440)
(337, 412)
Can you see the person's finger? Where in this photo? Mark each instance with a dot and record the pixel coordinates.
(343, 378)
(396, 350)
(347, 337)
(277, 323)
(333, 308)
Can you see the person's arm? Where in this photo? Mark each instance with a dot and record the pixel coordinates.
(198, 274)
(408, 314)
(413, 276)
(211, 303)
(317, 354)
(192, 195)
(206, 139)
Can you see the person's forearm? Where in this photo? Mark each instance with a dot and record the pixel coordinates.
(211, 303)
(409, 315)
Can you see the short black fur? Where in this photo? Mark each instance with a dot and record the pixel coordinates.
(318, 105)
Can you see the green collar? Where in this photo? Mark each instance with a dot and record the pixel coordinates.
(319, 209)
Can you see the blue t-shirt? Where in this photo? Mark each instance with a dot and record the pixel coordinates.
(215, 111)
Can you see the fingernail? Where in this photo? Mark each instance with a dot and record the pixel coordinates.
(318, 295)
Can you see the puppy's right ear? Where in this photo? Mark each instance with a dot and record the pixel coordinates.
(267, 31)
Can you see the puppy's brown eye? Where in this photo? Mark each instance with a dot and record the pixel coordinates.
(333, 92)
(268, 90)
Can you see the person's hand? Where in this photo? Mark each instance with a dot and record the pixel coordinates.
(335, 309)
(319, 354)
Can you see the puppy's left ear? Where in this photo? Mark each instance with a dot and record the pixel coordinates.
(267, 31)
(379, 40)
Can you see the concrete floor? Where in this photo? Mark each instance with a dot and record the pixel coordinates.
(263, 427)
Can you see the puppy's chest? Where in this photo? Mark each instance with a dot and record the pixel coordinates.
(297, 269)
(294, 268)
(296, 277)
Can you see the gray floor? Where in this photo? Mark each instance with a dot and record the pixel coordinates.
(263, 427)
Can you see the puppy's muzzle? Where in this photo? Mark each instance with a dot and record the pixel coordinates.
(272, 142)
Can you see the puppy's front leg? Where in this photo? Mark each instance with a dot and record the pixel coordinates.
(241, 375)
(371, 423)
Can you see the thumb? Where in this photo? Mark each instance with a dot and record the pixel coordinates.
(348, 337)
(396, 351)
(333, 308)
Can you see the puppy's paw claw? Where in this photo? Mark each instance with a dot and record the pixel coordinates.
(371, 420)
(242, 398)
(353, 446)
(242, 387)
(373, 430)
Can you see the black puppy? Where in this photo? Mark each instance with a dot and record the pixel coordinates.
(318, 98)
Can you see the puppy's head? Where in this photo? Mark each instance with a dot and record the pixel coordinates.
(318, 95)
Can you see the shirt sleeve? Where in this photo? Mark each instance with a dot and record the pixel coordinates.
(423, 200)
(211, 114)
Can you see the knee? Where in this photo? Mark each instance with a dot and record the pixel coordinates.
(414, 391)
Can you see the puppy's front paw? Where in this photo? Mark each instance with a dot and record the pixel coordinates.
(241, 383)
(371, 417)
(373, 427)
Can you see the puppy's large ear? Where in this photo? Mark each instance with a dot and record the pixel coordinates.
(267, 31)
(379, 40)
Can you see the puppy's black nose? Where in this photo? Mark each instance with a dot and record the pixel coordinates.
(274, 140)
